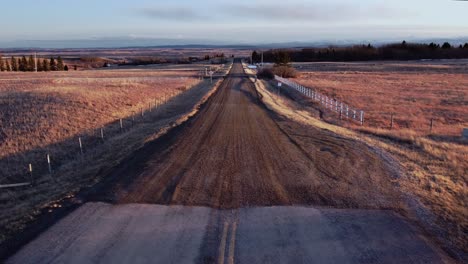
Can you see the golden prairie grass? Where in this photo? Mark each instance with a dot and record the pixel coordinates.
(40, 110)
(414, 98)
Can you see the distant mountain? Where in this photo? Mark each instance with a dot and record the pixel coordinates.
(128, 42)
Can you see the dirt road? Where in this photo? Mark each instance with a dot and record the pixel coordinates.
(234, 154)
(203, 194)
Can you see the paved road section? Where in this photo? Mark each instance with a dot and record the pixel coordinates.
(141, 233)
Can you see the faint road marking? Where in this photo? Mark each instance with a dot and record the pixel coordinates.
(222, 246)
(232, 243)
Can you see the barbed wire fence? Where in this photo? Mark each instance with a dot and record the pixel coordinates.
(45, 160)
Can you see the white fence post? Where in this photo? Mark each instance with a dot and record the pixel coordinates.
(48, 163)
(31, 174)
(362, 118)
(81, 145)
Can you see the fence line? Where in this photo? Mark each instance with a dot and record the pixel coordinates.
(90, 138)
(85, 141)
(342, 109)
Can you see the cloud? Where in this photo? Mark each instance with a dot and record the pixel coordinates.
(312, 12)
(270, 12)
(171, 13)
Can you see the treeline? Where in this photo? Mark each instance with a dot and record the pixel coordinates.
(217, 58)
(400, 51)
(24, 64)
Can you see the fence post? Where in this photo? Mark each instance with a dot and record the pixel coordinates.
(81, 145)
(102, 134)
(391, 122)
(50, 168)
(362, 118)
(121, 125)
(432, 124)
(49, 165)
(31, 175)
(341, 111)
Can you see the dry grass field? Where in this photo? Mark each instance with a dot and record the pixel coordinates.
(414, 97)
(40, 110)
(434, 167)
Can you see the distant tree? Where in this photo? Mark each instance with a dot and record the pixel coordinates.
(31, 63)
(60, 66)
(207, 57)
(39, 65)
(7, 66)
(404, 44)
(432, 46)
(369, 46)
(255, 57)
(65, 68)
(282, 58)
(52, 64)
(465, 46)
(2, 64)
(446, 45)
(45, 65)
(14, 64)
(75, 67)
(23, 65)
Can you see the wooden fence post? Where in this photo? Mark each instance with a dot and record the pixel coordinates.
(31, 175)
(50, 168)
(432, 124)
(391, 122)
(81, 145)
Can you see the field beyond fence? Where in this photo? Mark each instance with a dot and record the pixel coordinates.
(421, 103)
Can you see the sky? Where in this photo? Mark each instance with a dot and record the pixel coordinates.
(239, 21)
